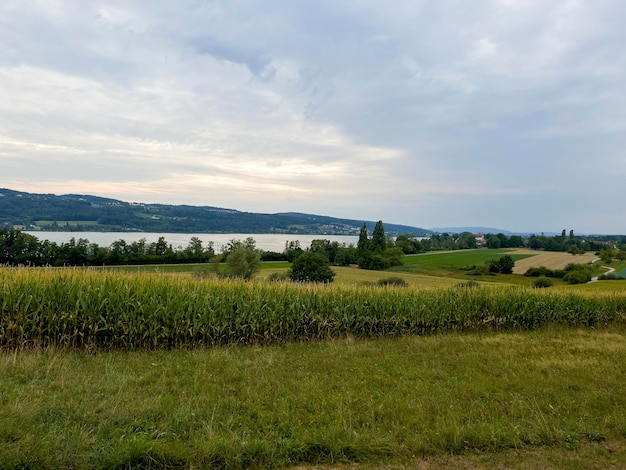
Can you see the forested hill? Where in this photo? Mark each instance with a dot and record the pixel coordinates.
(76, 212)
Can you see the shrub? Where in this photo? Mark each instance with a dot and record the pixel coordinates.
(542, 282)
(393, 281)
(577, 277)
(480, 270)
(540, 271)
(311, 267)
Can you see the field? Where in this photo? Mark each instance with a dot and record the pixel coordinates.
(551, 260)
(154, 367)
(61, 223)
(547, 398)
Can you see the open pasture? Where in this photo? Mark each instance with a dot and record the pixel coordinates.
(455, 264)
(461, 258)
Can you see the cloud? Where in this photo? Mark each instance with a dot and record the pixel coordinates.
(421, 112)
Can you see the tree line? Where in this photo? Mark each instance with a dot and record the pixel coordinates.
(377, 251)
(19, 248)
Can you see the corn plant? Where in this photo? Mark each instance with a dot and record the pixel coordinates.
(112, 310)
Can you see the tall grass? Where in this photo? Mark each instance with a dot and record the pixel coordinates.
(96, 309)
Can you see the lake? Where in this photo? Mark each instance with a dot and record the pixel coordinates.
(264, 241)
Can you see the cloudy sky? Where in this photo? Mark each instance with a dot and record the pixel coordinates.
(431, 113)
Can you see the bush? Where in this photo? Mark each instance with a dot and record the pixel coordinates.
(577, 277)
(311, 267)
(542, 282)
(540, 271)
(480, 270)
(393, 281)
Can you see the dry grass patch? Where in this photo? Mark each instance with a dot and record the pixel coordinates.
(549, 259)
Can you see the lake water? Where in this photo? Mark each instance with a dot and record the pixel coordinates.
(264, 241)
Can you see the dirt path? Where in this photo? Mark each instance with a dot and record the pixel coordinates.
(609, 270)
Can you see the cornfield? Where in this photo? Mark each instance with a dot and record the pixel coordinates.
(79, 308)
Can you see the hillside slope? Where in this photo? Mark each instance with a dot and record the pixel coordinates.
(77, 212)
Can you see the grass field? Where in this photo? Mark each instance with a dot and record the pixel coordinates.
(438, 269)
(551, 397)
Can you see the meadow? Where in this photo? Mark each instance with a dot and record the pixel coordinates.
(154, 367)
(550, 397)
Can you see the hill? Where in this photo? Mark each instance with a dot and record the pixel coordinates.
(78, 212)
(487, 230)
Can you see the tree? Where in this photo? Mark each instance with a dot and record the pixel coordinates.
(197, 253)
(466, 240)
(374, 254)
(160, 247)
(311, 267)
(243, 260)
(408, 243)
(364, 243)
(379, 241)
(506, 264)
(292, 250)
(321, 246)
(493, 241)
(18, 248)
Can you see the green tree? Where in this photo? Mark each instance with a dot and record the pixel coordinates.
(243, 260)
(363, 244)
(18, 248)
(408, 243)
(321, 246)
(159, 248)
(493, 241)
(196, 252)
(506, 264)
(607, 255)
(379, 240)
(466, 240)
(292, 250)
(311, 267)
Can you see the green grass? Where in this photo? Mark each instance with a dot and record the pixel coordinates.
(186, 268)
(384, 403)
(455, 258)
(453, 263)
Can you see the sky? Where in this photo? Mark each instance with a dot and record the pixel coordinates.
(430, 113)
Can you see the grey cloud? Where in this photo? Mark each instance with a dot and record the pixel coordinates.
(256, 62)
(455, 106)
